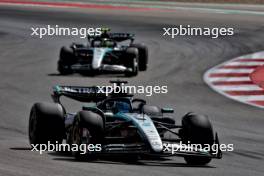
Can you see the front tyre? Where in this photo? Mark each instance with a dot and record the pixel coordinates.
(143, 56)
(64, 69)
(197, 129)
(66, 60)
(46, 123)
(131, 61)
(87, 129)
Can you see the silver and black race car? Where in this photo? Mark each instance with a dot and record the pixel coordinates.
(104, 53)
(120, 124)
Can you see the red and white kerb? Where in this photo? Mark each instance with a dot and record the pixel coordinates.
(241, 79)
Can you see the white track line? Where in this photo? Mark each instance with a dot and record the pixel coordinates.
(245, 63)
(223, 70)
(229, 79)
(238, 88)
(253, 56)
(250, 98)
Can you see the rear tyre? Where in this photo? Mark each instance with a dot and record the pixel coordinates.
(46, 123)
(151, 110)
(65, 61)
(131, 61)
(197, 129)
(143, 56)
(88, 128)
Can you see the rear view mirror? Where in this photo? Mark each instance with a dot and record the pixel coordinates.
(167, 110)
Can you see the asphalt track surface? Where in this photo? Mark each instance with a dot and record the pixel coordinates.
(28, 71)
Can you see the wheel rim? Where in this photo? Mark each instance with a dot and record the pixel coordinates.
(135, 65)
(80, 136)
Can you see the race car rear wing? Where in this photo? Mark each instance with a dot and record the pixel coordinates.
(87, 94)
(83, 94)
(118, 37)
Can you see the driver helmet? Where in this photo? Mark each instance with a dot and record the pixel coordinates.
(122, 106)
(119, 106)
(105, 42)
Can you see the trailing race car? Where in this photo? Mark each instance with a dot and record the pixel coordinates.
(121, 124)
(104, 53)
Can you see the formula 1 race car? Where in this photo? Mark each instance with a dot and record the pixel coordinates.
(104, 53)
(121, 124)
